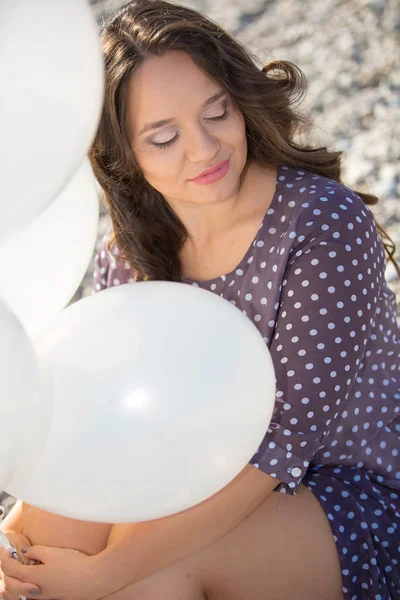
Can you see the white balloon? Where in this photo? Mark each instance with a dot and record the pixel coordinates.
(52, 80)
(162, 394)
(43, 264)
(24, 414)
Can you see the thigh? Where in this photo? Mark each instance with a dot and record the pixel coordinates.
(179, 582)
(283, 551)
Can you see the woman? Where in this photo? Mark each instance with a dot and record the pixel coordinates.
(207, 180)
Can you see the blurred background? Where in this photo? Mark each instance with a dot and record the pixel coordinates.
(349, 51)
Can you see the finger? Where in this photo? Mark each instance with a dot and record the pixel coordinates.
(13, 552)
(25, 561)
(21, 542)
(9, 596)
(13, 568)
(2, 552)
(6, 596)
(15, 587)
(37, 553)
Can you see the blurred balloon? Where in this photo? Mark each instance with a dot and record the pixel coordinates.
(52, 78)
(43, 264)
(24, 415)
(162, 394)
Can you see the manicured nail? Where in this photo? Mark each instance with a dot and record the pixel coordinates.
(33, 592)
(25, 549)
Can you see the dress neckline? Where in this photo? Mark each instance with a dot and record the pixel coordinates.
(243, 263)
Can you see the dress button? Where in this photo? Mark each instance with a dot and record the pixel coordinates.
(296, 472)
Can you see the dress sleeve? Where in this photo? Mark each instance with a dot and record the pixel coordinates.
(101, 269)
(328, 300)
(108, 270)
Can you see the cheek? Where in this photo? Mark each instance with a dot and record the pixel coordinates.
(157, 164)
(238, 133)
(161, 169)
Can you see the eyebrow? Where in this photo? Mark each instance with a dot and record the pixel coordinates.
(158, 124)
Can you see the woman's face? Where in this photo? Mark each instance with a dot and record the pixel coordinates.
(181, 124)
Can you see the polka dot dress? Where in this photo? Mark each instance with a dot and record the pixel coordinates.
(313, 283)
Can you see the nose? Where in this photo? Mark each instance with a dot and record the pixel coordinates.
(201, 147)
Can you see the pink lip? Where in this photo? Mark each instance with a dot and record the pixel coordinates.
(212, 175)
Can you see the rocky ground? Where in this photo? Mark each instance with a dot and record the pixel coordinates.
(350, 53)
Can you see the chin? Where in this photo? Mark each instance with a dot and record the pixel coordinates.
(217, 198)
(220, 191)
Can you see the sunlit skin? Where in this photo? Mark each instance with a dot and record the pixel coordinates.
(45, 528)
(181, 122)
(204, 129)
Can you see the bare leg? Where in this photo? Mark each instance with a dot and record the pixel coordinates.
(169, 584)
(283, 551)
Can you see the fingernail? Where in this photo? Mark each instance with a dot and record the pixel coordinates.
(33, 592)
(25, 549)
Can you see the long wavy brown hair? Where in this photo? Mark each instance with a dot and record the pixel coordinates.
(147, 232)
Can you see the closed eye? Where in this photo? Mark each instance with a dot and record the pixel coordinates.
(162, 145)
(219, 117)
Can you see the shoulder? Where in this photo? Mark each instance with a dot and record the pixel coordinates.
(311, 213)
(310, 189)
(313, 204)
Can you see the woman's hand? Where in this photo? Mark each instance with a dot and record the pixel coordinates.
(20, 541)
(11, 588)
(62, 574)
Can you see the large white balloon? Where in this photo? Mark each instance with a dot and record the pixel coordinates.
(52, 79)
(43, 264)
(24, 414)
(162, 393)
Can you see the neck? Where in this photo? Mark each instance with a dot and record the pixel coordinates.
(204, 222)
(226, 228)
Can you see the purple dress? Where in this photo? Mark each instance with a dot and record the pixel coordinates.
(313, 283)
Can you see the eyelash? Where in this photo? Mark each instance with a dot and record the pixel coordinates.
(166, 144)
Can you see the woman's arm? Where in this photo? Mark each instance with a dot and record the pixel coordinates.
(138, 550)
(13, 521)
